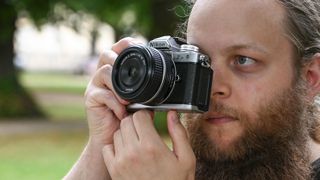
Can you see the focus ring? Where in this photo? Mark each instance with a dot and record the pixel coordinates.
(155, 74)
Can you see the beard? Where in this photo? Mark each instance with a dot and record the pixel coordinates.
(273, 145)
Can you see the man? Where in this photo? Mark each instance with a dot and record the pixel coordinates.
(262, 122)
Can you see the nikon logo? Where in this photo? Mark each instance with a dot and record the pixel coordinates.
(160, 44)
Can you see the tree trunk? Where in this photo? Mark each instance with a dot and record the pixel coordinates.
(14, 100)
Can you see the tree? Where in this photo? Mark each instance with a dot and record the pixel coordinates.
(14, 100)
(152, 18)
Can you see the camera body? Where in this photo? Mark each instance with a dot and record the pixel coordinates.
(167, 74)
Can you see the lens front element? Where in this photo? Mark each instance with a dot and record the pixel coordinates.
(131, 73)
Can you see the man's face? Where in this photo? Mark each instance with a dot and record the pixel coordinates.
(252, 61)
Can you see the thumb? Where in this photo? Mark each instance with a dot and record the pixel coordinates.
(180, 141)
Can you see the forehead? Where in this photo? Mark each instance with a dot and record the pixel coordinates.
(251, 21)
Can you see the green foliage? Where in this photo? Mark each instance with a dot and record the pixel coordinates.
(160, 122)
(110, 11)
(7, 13)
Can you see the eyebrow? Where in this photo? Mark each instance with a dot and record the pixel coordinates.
(245, 46)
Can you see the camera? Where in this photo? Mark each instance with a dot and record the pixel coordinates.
(166, 74)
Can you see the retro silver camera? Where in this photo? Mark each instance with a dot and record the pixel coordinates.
(167, 74)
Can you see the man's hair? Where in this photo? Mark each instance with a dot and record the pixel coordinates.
(302, 25)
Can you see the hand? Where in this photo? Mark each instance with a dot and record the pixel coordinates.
(138, 152)
(104, 111)
(104, 107)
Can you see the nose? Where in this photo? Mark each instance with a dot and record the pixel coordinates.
(221, 84)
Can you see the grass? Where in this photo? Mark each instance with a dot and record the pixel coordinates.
(64, 111)
(54, 82)
(45, 156)
(47, 87)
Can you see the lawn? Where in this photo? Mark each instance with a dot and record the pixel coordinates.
(45, 156)
(50, 155)
(60, 96)
(54, 82)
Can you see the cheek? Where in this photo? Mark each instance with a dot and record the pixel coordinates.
(249, 96)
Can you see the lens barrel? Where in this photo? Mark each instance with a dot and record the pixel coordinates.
(143, 75)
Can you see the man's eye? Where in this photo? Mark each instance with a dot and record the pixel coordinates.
(245, 61)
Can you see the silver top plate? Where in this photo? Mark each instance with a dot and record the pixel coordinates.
(166, 107)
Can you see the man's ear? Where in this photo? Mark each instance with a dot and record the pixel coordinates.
(312, 75)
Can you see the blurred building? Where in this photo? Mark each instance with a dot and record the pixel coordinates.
(58, 48)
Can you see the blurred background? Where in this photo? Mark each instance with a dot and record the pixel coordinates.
(49, 50)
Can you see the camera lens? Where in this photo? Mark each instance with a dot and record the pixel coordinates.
(131, 72)
(144, 75)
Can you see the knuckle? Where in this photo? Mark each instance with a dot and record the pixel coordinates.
(132, 156)
(106, 55)
(90, 94)
(102, 75)
(106, 69)
(108, 94)
(150, 150)
(124, 42)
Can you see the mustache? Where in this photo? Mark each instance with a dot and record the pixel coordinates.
(216, 108)
(223, 109)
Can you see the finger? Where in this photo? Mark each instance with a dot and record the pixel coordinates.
(124, 43)
(107, 57)
(103, 97)
(102, 79)
(128, 131)
(118, 143)
(180, 142)
(108, 156)
(144, 125)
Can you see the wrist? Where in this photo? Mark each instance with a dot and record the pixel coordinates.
(91, 163)
(94, 146)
